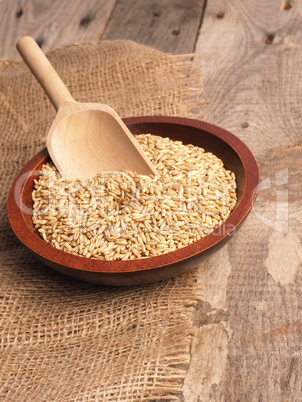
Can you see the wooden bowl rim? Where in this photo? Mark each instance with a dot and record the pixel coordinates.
(37, 245)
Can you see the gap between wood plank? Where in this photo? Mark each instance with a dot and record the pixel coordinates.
(200, 23)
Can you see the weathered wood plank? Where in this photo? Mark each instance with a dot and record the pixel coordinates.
(251, 52)
(53, 23)
(168, 25)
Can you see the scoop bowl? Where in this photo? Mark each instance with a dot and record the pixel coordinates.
(236, 157)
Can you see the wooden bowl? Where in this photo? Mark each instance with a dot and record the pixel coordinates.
(236, 157)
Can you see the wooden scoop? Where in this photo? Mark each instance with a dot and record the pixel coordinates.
(85, 138)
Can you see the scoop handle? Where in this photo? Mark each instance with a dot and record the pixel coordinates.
(44, 72)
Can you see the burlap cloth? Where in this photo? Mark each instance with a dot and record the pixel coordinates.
(61, 339)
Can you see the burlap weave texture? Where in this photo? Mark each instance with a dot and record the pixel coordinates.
(63, 340)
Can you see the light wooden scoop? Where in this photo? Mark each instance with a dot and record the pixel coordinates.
(85, 138)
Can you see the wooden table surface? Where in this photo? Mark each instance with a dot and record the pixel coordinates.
(248, 341)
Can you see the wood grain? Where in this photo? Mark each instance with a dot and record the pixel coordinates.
(53, 23)
(251, 52)
(168, 25)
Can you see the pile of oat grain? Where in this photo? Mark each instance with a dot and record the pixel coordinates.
(124, 215)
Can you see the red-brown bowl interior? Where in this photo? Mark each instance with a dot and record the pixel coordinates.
(236, 157)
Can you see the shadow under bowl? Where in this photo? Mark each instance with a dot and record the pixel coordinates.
(233, 152)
